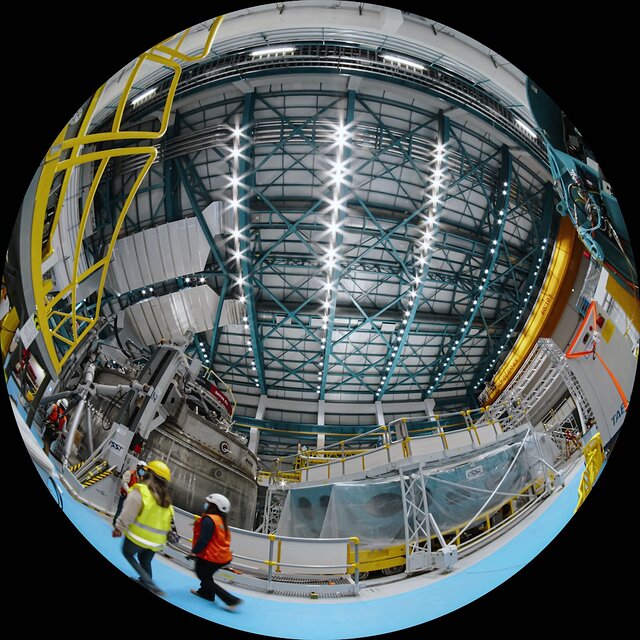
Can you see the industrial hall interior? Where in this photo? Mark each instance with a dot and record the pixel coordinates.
(334, 298)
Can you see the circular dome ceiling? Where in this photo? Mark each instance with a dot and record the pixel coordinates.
(353, 211)
(349, 213)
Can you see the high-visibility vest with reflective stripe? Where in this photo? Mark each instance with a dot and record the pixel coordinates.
(153, 522)
(217, 550)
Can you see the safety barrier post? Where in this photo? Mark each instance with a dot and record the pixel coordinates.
(356, 561)
(467, 423)
(270, 562)
(440, 432)
(473, 430)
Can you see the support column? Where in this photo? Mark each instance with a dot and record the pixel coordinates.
(254, 439)
(380, 421)
(400, 429)
(321, 413)
(429, 406)
(262, 406)
(379, 413)
(320, 441)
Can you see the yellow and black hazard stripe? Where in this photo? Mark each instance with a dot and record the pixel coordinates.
(73, 468)
(97, 478)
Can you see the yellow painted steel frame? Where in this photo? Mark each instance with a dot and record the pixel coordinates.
(546, 299)
(65, 156)
(593, 460)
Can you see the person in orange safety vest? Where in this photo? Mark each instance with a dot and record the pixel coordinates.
(211, 549)
(55, 422)
(129, 478)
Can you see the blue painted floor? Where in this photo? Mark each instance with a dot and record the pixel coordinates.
(348, 618)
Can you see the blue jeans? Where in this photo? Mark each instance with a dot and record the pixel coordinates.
(143, 567)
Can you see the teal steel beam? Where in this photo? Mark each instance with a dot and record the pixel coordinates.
(245, 189)
(395, 353)
(215, 332)
(172, 210)
(198, 213)
(498, 216)
(489, 360)
(334, 272)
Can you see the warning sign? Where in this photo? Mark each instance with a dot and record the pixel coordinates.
(221, 398)
(29, 331)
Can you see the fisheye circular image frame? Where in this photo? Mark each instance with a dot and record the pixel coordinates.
(319, 320)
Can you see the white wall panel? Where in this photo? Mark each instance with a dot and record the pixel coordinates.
(170, 317)
(154, 255)
(64, 238)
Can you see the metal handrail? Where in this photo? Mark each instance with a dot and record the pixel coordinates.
(470, 428)
(271, 563)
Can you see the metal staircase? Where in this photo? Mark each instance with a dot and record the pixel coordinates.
(582, 404)
(547, 361)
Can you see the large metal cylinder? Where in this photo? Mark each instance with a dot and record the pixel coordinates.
(203, 456)
(197, 471)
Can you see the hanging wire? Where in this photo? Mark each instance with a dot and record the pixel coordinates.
(496, 489)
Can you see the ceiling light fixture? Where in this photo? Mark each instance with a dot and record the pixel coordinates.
(143, 96)
(528, 130)
(408, 63)
(273, 51)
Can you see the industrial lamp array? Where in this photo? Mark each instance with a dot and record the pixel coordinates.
(337, 178)
(437, 188)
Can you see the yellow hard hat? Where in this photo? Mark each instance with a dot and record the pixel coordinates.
(160, 469)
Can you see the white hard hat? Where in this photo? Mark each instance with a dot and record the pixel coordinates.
(220, 501)
(141, 463)
(65, 403)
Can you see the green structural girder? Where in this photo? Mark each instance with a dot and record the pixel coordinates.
(334, 273)
(499, 207)
(395, 354)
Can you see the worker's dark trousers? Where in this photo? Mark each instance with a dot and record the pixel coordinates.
(208, 588)
(145, 556)
(121, 500)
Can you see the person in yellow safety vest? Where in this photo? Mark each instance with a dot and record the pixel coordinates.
(129, 478)
(145, 520)
(211, 549)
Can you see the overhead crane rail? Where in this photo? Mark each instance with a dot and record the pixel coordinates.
(353, 59)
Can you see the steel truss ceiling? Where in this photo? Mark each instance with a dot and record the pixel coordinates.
(381, 248)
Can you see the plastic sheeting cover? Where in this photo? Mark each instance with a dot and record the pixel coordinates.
(373, 511)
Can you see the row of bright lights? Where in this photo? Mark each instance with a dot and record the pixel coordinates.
(338, 175)
(188, 279)
(474, 305)
(430, 220)
(236, 236)
(202, 348)
(519, 314)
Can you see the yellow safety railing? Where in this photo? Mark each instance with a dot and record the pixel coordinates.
(277, 476)
(335, 458)
(63, 328)
(393, 556)
(593, 460)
